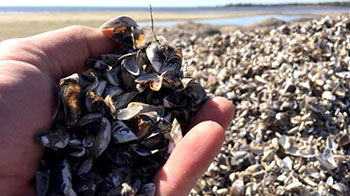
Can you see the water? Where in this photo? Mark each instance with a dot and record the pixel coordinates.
(249, 9)
(241, 21)
(286, 13)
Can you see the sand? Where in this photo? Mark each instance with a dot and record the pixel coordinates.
(15, 25)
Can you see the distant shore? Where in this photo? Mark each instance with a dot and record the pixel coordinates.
(23, 24)
(339, 3)
(29, 23)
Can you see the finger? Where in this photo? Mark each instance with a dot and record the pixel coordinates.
(69, 48)
(11, 185)
(60, 52)
(190, 159)
(217, 109)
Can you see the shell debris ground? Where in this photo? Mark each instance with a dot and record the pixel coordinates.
(291, 88)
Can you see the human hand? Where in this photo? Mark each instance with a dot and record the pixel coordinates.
(30, 67)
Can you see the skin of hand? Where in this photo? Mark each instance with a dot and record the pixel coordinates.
(29, 69)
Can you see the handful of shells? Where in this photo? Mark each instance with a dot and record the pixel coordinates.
(118, 122)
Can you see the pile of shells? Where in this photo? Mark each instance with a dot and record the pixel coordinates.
(291, 88)
(118, 122)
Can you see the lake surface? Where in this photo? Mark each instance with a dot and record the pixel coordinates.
(286, 13)
(238, 9)
(241, 21)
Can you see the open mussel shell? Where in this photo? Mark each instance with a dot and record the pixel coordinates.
(119, 22)
(103, 137)
(89, 120)
(129, 63)
(156, 56)
(116, 102)
(129, 112)
(128, 26)
(42, 183)
(148, 108)
(152, 81)
(72, 99)
(76, 151)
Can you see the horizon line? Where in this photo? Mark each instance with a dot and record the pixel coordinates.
(205, 6)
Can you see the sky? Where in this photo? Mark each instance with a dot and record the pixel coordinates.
(142, 3)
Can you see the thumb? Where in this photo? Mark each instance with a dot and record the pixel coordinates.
(60, 52)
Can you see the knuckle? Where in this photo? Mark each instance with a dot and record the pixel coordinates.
(78, 28)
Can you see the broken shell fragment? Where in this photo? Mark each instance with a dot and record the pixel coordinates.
(88, 184)
(176, 132)
(174, 62)
(153, 81)
(101, 65)
(112, 91)
(57, 139)
(100, 88)
(237, 188)
(122, 133)
(129, 112)
(327, 159)
(103, 137)
(85, 166)
(61, 179)
(147, 190)
(88, 82)
(94, 102)
(112, 76)
(117, 102)
(110, 59)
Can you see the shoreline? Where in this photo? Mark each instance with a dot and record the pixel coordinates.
(138, 16)
(16, 25)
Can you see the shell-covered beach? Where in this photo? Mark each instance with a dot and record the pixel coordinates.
(290, 85)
